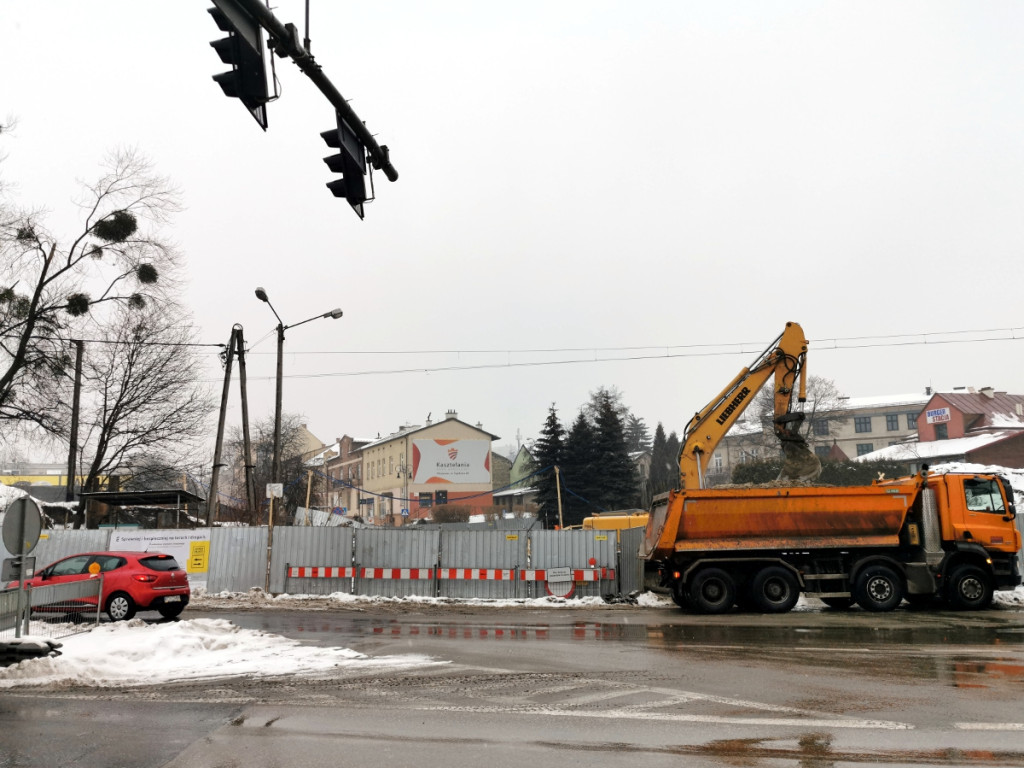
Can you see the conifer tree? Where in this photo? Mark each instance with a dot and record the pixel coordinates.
(615, 478)
(580, 471)
(547, 454)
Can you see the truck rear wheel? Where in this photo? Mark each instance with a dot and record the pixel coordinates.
(712, 590)
(969, 588)
(774, 590)
(879, 588)
(679, 596)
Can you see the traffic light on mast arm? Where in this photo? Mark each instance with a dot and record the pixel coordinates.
(350, 162)
(243, 50)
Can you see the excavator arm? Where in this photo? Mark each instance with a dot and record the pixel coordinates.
(784, 359)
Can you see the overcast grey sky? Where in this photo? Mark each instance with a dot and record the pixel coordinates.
(614, 181)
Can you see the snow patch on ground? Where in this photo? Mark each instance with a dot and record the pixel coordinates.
(134, 653)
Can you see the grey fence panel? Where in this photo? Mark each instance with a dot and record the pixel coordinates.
(238, 559)
(574, 549)
(392, 549)
(488, 550)
(60, 542)
(630, 573)
(308, 546)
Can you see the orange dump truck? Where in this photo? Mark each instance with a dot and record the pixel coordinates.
(922, 538)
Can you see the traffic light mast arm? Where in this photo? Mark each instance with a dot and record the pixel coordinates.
(284, 39)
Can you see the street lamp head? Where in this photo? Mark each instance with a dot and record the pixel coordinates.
(262, 295)
(334, 314)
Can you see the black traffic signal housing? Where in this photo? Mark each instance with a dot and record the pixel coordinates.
(243, 50)
(350, 162)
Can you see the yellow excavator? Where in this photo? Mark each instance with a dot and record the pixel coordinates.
(784, 359)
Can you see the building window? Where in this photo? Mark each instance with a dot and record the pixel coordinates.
(863, 448)
(942, 432)
(861, 423)
(911, 421)
(391, 465)
(821, 427)
(716, 462)
(892, 421)
(821, 451)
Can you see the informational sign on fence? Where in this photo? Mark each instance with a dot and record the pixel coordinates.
(190, 548)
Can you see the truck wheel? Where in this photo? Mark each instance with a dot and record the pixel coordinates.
(679, 596)
(774, 590)
(878, 588)
(969, 588)
(712, 590)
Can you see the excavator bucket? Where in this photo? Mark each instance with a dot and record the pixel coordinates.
(799, 464)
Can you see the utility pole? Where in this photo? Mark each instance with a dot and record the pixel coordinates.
(558, 490)
(75, 402)
(212, 502)
(250, 480)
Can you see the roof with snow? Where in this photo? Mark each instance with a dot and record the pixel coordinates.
(990, 408)
(412, 429)
(934, 449)
(880, 401)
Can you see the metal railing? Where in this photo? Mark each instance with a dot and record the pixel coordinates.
(57, 610)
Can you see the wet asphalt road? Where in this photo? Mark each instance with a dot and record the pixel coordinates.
(565, 687)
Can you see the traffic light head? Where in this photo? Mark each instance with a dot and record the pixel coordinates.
(350, 162)
(243, 50)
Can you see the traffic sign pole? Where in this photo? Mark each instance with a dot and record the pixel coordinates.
(22, 525)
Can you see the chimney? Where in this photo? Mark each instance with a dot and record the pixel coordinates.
(927, 390)
(451, 415)
(988, 392)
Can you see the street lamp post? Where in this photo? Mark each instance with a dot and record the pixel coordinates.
(275, 471)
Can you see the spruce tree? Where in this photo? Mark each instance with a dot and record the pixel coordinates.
(580, 472)
(616, 480)
(661, 462)
(547, 454)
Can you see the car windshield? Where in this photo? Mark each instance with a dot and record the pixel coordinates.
(160, 563)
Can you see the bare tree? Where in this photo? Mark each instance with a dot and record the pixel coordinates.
(47, 285)
(292, 469)
(142, 397)
(823, 412)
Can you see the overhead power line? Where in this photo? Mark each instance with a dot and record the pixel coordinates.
(685, 351)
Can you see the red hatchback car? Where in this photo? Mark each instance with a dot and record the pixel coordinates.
(132, 581)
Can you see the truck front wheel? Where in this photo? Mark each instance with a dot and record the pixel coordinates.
(712, 590)
(969, 588)
(774, 590)
(878, 588)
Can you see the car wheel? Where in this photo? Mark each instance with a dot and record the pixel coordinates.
(171, 610)
(120, 607)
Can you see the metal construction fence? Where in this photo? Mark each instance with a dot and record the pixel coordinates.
(393, 562)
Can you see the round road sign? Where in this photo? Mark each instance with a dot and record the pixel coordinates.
(22, 525)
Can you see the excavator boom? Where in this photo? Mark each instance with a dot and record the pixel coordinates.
(784, 359)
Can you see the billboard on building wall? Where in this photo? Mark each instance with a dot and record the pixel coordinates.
(451, 461)
(937, 415)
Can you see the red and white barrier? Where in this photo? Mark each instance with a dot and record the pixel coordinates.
(396, 573)
(320, 572)
(323, 572)
(578, 576)
(482, 574)
(582, 574)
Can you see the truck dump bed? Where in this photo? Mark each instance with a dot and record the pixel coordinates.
(779, 518)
